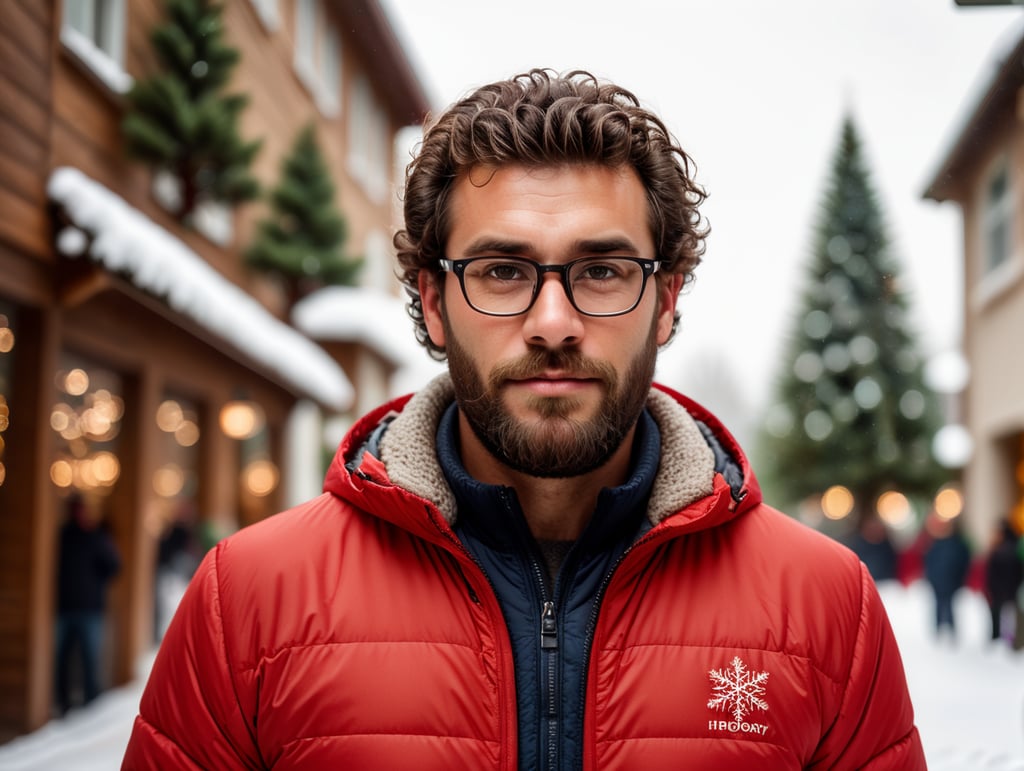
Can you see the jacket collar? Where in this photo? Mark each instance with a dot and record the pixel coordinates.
(487, 508)
(408, 453)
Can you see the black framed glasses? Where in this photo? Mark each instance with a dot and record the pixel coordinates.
(596, 286)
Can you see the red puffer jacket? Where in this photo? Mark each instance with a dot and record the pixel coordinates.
(356, 632)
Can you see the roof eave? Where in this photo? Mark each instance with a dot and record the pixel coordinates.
(392, 68)
(1007, 74)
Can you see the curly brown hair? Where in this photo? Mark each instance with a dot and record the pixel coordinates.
(540, 118)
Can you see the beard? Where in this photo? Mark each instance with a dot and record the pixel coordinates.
(554, 444)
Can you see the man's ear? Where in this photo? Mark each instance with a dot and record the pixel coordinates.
(668, 295)
(430, 298)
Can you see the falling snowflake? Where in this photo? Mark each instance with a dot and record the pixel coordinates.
(737, 690)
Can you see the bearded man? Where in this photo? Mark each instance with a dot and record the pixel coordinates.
(541, 560)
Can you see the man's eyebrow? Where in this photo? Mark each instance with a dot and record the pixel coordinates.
(581, 247)
(494, 245)
(610, 245)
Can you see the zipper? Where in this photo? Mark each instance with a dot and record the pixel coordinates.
(548, 627)
(551, 714)
(549, 653)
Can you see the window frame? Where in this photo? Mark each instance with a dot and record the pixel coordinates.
(996, 275)
(101, 50)
(997, 216)
(369, 141)
(318, 55)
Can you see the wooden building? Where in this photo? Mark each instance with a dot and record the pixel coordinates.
(983, 174)
(141, 364)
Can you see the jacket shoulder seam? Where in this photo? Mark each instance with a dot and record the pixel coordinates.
(250, 727)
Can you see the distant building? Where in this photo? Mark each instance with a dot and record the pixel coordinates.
(141, 364)
(983, 173)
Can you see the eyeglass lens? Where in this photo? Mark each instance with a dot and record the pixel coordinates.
(599, 285)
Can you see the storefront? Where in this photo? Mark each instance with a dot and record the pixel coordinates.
(150, 387)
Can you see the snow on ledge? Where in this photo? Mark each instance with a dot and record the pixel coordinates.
(127, 241)
(374, 318)
(97, 60)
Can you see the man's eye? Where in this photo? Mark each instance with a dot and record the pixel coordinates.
(504, 271)
(601, 271)
(598, 272)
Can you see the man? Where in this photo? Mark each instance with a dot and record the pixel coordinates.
(88, 562)
(541, 561)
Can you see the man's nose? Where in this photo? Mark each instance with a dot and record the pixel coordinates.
(553, 321)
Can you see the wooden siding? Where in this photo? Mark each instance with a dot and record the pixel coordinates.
(25, 109)
(27, 532)
(25, 45)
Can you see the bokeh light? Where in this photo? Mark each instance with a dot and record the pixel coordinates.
(894, 509)
(949, 502)
(260, 477)
(837, 502)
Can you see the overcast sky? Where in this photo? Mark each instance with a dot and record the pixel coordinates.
(755, 92)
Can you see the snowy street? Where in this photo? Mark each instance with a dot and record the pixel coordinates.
(969, 700)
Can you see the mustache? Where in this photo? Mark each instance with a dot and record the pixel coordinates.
(536, 362)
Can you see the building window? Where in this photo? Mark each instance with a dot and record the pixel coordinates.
(305, 39)
(267, 11)
(176, 479)
(173, 518)
(329, 62)
(86, 423)
(94, 30)
(997, 220)
(1017, 511)
(318, 55)
(369, 142)
(378, 268)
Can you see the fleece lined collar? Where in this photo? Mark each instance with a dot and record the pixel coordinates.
(408, 451)
(487, 508)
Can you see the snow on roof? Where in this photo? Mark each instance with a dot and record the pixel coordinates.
(126, 241)
(373, 318)
(980, 90)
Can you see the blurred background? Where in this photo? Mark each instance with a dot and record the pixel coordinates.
(197, 291)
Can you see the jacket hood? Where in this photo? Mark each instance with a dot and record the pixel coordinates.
(393, 447)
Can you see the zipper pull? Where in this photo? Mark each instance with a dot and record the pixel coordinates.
(548, 627)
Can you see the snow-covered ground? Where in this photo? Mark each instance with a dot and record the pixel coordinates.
(968, 697)
(969, 700)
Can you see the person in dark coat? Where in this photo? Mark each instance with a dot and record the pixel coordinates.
(946, 563)
(1004, 573)
(88, 561)
(872, 544)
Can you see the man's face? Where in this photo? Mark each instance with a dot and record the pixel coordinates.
(551, 392)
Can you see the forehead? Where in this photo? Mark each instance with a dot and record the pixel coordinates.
(548, 209)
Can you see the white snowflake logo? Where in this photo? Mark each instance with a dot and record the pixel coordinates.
(738, 690)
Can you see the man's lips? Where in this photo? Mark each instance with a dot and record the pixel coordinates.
(553, 384)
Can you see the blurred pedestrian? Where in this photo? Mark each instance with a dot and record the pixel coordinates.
(946, 562)
(1004, 573)
(178, 555)
(872, 544)
(88, 560)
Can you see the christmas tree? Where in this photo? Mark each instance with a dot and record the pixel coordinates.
(301, 241)
(180, 121)
(850, 405)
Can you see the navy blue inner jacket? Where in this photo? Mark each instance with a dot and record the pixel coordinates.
(551, 627)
